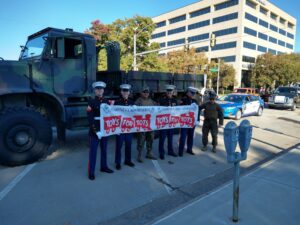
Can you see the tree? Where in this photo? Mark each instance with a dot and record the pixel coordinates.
(188, 62)
(227, 75)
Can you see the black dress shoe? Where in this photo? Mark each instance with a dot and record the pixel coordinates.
(172, 154)
(92, 177)
(162, 157)
(106, 170)
(118, 166)
(131, 164)
(190, 152)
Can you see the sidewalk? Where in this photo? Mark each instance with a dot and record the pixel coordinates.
(268, 196)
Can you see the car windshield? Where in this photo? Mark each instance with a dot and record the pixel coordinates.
(34, 47)
(285, 90)
(232, 98)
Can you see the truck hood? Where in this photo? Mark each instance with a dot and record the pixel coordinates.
(14, 76)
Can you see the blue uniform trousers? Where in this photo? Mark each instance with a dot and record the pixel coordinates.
(186, 134)
(94, 143)
(162, 137)
(119, 143)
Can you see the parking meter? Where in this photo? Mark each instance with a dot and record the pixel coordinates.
(245, 135)
(231, 134)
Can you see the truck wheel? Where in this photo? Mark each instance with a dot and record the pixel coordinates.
(238, 115)
(25, 136)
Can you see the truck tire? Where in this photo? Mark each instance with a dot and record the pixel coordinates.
(25, 136)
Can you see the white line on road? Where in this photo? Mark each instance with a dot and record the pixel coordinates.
(162, 175)
(15, 181)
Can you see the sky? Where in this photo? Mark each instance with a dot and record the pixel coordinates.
(20, 18)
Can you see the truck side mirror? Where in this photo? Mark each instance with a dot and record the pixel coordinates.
(231, 134)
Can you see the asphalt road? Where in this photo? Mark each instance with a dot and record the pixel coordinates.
(57, 191)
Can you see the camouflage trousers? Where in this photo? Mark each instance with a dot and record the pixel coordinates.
(143, 137)
(210, 125)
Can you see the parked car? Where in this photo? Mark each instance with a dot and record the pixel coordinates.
(285, 98)
(253, 91)
(239, 105)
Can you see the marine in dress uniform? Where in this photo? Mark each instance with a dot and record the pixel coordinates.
(187, 134)
(168, 100)
(93, 110)
(212, 112)
(121, 138)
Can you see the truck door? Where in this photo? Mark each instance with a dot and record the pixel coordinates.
(68, 66)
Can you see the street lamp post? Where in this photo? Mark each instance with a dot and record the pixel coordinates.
(218, 78)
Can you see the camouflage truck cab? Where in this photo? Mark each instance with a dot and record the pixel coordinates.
(48, 85)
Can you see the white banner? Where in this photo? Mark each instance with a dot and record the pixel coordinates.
(116, 119)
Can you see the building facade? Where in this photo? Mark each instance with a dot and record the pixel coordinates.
(244, 29)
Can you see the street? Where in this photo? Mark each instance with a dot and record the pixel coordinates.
(56, 190)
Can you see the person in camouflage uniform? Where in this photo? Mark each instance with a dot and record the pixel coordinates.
(212, 112)
(143, 137)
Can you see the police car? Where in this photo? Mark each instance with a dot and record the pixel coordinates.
(239, 105)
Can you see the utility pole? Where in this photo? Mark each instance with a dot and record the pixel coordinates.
(219, 64)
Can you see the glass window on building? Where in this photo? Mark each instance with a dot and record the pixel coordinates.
(198, 37)
(263, 23)
(290, 25)
(158, 35)
(160, 24)
(176, 30)
(224, 18)
(248, 59)
(200, 12)
(263, 10)
(228, 59)
(290, 35)
(261, 48)
(283, 32)
(177, 19)
(282, 43)
(273, 40)
(250, 31)
(162, 45)
(202, 49)
(282, 21)
(198, 24)
(251, 4)
(226, 4)
(263, 36)
(272, 51)
(273, 16)
(249, 45)
(250, 17)
(273, 28)
(223, 32)
(289, 46)
(224, 46)
(176, 42)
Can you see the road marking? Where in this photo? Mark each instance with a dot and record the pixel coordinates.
(15, 181)
(162, 175)
(218, 190)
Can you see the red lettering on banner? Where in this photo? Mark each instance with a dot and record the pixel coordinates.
(174, 121)
(127, 124)
(187, 119)
(162, 120)
(142, 123)
(111, 123)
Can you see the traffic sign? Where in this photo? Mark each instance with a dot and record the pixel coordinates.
(214, 70)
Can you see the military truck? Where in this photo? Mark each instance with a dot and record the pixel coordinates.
(50, 85)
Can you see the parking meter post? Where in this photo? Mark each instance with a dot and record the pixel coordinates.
(236, 192)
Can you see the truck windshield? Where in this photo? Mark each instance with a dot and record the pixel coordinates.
(34, 47)
(286, 90)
